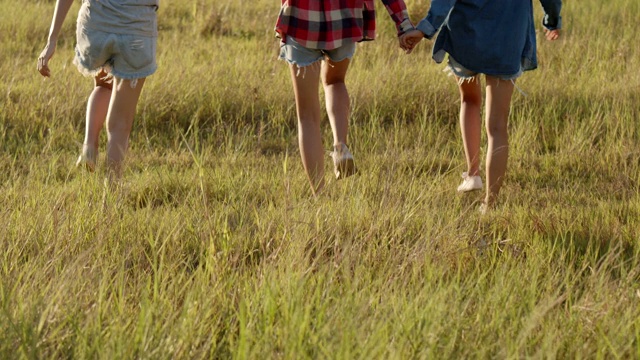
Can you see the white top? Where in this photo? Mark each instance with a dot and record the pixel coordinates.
(127, 17)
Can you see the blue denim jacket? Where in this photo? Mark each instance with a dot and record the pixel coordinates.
(493, 37)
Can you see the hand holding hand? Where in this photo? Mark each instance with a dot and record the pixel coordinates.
(45, 56)
(552, 35)
(410, 39)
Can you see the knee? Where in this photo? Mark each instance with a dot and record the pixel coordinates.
(332, 81)
(334, 78)
(118, 128)
(496, 129)
(308, 113)
(309, 119)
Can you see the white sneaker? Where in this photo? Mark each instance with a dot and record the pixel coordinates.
(470, 183)
(343, 164)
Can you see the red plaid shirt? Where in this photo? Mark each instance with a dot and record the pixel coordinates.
(329, 24)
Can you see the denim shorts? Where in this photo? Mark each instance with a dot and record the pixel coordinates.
(294, 53)
(123, 56)
(465, 74)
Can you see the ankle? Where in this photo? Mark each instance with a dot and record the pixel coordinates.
(489, 201)
(339, 146)
(89, 148)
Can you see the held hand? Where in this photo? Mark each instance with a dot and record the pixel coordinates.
(43, 59)
(552, 35)
(410, 39)
(403, 46)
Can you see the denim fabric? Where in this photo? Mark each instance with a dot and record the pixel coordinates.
(118, 36)
(294, 53)
(123, 56)
(127, 17)
(463, 73)
(493, 37)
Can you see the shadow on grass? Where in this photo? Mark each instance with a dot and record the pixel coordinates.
(580, 246)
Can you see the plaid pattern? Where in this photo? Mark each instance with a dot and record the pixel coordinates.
(329, 24)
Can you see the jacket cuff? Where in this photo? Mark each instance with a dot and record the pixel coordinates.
(426, 28)
(552, 23)
(405, 26)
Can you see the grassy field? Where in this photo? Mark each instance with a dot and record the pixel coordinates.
(215, 248)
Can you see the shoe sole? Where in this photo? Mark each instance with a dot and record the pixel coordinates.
(345, 169)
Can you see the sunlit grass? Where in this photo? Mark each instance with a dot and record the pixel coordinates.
(213, 247)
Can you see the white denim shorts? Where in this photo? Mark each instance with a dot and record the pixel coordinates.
(121, 51)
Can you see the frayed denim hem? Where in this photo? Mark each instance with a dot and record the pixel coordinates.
(303, 57)
(302, 66)
(455, 68)
(111, 73)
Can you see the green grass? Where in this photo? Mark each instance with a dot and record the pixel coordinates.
(215, 248)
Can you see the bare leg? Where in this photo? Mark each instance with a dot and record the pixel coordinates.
(305, 85)
(471, 122)
(337, 98)
(338, 108)
(497, 115)
(97, 108)
(122, 109)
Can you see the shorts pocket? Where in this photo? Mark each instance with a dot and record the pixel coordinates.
(138, 52)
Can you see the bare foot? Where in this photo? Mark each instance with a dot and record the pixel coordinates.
(87, 158)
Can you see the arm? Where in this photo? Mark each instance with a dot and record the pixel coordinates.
(552, 20)
(399, 14)
(436, 16)
(59, 14)
(428, 26)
